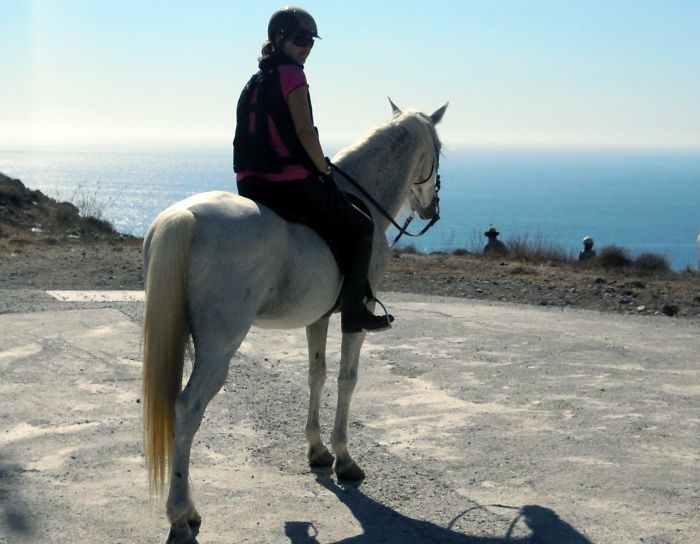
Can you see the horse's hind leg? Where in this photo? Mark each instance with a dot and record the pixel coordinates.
(316, 335)
(344, 466)
(208, 376)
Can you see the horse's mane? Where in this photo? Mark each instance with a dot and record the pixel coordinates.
(411, 123)
(397, 147)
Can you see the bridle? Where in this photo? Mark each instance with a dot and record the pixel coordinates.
(403, 229)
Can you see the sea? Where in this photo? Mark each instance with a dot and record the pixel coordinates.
(644, 201)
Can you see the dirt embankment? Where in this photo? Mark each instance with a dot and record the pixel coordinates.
(548, 284)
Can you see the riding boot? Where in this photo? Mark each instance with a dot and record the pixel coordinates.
(355, 316)
(358, 318)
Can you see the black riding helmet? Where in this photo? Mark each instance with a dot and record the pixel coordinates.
(290, 19)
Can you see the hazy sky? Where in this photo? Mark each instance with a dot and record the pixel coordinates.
(527, 72)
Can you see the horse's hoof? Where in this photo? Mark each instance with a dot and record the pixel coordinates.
(181, 536)
(321, 458)
(350, 473)
(194, 521)
(175, 540)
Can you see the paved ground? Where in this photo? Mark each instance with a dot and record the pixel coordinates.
(475, 423)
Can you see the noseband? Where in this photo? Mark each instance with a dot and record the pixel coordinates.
(434, 219)
(402, 229)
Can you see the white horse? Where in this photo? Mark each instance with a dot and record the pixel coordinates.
(216, 264)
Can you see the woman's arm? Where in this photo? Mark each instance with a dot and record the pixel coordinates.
(301, 116)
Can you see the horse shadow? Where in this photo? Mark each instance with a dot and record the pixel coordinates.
(381, 524)
(14, 517)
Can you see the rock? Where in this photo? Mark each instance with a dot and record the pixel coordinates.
(670, 310)
(641, 308)
(10, 186)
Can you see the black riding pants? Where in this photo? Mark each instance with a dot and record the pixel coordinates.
(326, 209)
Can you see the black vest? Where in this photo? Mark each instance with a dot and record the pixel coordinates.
(252, 150)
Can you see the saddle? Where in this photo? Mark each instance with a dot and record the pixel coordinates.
(332, 241)
(335, 245)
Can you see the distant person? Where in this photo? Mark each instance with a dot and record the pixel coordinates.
(587, 252)
(494, 247)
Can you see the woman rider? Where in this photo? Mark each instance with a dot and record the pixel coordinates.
(279, 162)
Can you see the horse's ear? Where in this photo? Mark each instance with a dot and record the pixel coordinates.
(437, 116)
(394, 108)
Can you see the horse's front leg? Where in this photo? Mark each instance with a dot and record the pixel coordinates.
(316, 335)
(344, 466)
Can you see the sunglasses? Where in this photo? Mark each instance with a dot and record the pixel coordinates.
(303, 40)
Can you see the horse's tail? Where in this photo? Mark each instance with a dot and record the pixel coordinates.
(165, 335)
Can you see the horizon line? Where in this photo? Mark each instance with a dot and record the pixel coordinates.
(165, 144)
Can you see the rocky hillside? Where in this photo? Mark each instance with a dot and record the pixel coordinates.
(29, 214)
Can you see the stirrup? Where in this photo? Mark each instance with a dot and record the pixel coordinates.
(389, 317)
(372, 323)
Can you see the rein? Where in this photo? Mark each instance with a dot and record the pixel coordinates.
(402, 229)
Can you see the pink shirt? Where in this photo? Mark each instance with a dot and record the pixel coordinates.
(291, 77)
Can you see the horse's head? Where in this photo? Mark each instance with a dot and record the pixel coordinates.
(423, 190)
(398, 164)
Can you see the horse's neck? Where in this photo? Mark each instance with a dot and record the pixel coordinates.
(385, 168)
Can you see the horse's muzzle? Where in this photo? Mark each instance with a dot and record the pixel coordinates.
(429, 211)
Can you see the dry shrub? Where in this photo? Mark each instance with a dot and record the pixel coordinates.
(408, 249)
(614, 258)
(537, 250)
(93, 224)
(66, 214)
(652, 264)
